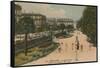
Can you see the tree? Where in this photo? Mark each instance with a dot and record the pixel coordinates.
(62, 27)
(88, 23)
(70, 28)
(18, 7)
(28, 26)
(19, 29)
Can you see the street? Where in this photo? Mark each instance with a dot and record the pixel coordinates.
(67, 52)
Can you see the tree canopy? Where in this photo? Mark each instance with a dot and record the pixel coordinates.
(62, 26)
(25, 25)
(18, 7)
(87, 23)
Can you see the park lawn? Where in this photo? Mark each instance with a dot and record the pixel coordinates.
(34, 54)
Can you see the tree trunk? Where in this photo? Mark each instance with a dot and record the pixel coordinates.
(26, 49)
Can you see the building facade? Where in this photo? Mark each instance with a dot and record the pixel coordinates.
(58, 21)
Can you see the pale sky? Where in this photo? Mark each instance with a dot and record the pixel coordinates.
(53, 10)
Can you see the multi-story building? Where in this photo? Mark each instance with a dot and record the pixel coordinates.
(39, 19)
(18, 11)
(58, 21)
(65, 21)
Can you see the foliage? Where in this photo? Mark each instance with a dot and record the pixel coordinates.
(28, 24)
(18, 7)
(70, 28)
(87, 23)
(62, 26)
(25, 26)
(34, 54)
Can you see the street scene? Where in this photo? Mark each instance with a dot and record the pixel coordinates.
(54, 34)
(68, 53)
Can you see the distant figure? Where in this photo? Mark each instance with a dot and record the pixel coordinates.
(90, 46)
(77, 46)
(61, 42)
(76, 38)
(72, 46)
(72, 43)
(59, 49)
(81, 47)
(66, 46)
(77, 43)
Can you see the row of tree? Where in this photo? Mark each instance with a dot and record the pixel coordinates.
(87, 23)
(26, 24)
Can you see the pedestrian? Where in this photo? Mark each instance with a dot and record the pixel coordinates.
(77, 43)
(77, 46)
(72, 46)
(66, 46)
(61, 42)
(90, 46)
(59, 49)
(81, 47)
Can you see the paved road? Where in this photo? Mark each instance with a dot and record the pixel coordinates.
(67, 52)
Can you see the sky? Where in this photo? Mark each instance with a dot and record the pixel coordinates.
(53, 10)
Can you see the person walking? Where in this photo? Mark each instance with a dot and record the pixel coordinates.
(66, 46)
(59, 49)
(81, 47)
(90, 46)
(72, 46)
